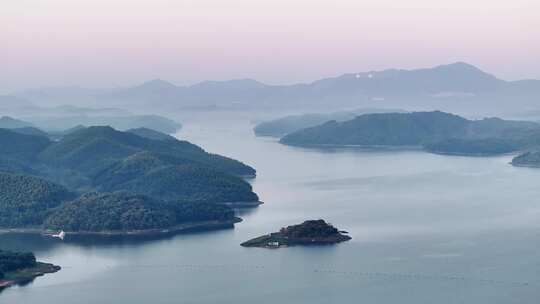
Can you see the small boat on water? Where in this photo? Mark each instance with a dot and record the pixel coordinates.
(60, 235)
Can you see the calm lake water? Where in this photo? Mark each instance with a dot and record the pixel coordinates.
(426, 229)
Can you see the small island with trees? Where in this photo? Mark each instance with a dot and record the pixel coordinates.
(21, 267)
(312, 232)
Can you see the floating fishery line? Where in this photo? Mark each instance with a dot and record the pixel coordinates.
(369, 275)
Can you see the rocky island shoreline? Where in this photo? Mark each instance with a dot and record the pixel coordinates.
(311, 232)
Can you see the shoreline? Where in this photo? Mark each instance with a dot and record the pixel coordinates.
(27, 275)
(241, 204)
(270, 135)
(400, 148)
(381, 147)
(532, 166)
(275, 240)
(471, 154)
(185, 227)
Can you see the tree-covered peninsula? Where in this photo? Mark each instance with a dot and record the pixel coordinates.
(98, 179)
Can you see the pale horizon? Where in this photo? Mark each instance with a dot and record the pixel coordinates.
(116, 43)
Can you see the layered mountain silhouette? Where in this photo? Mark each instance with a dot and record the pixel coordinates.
(444, 86)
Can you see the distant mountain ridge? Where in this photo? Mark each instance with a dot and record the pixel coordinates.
(7, 122)
(447, 85)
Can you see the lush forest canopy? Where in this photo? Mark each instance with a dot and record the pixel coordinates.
(312, 228)
(12, 261)
(27, 200)
(146, 173)
(164, 181)
(123, 211)
(21, 147)
(95, 147)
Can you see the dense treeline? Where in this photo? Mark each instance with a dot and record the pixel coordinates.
(391, 129)
(30, 201)
(11, 261)
(94, 148)
(27, 200)
(165, 181)
(122, 211)
(312, 228)
(21, 147)
(15, 166)
(145, 173)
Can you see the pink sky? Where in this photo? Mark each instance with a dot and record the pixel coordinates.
(100, 43)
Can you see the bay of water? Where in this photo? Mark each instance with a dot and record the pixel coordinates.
(426, 229)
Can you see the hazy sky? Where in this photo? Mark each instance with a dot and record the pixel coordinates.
(119, 42)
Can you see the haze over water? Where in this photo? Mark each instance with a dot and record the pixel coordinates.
(426, 229)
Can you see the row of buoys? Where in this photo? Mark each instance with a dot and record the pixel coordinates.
(195, 266)
(372, 275)
(416, 276)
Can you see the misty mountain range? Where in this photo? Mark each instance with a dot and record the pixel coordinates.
(453, 87)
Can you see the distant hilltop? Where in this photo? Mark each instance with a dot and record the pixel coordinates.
(446, 87)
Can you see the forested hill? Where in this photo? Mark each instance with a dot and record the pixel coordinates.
(151, 134)
(390, 129)
(14, 145)
(159, 175)
(27, 200)
(12, 261)
(122, 211)
(433, 131)
(94, 147)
